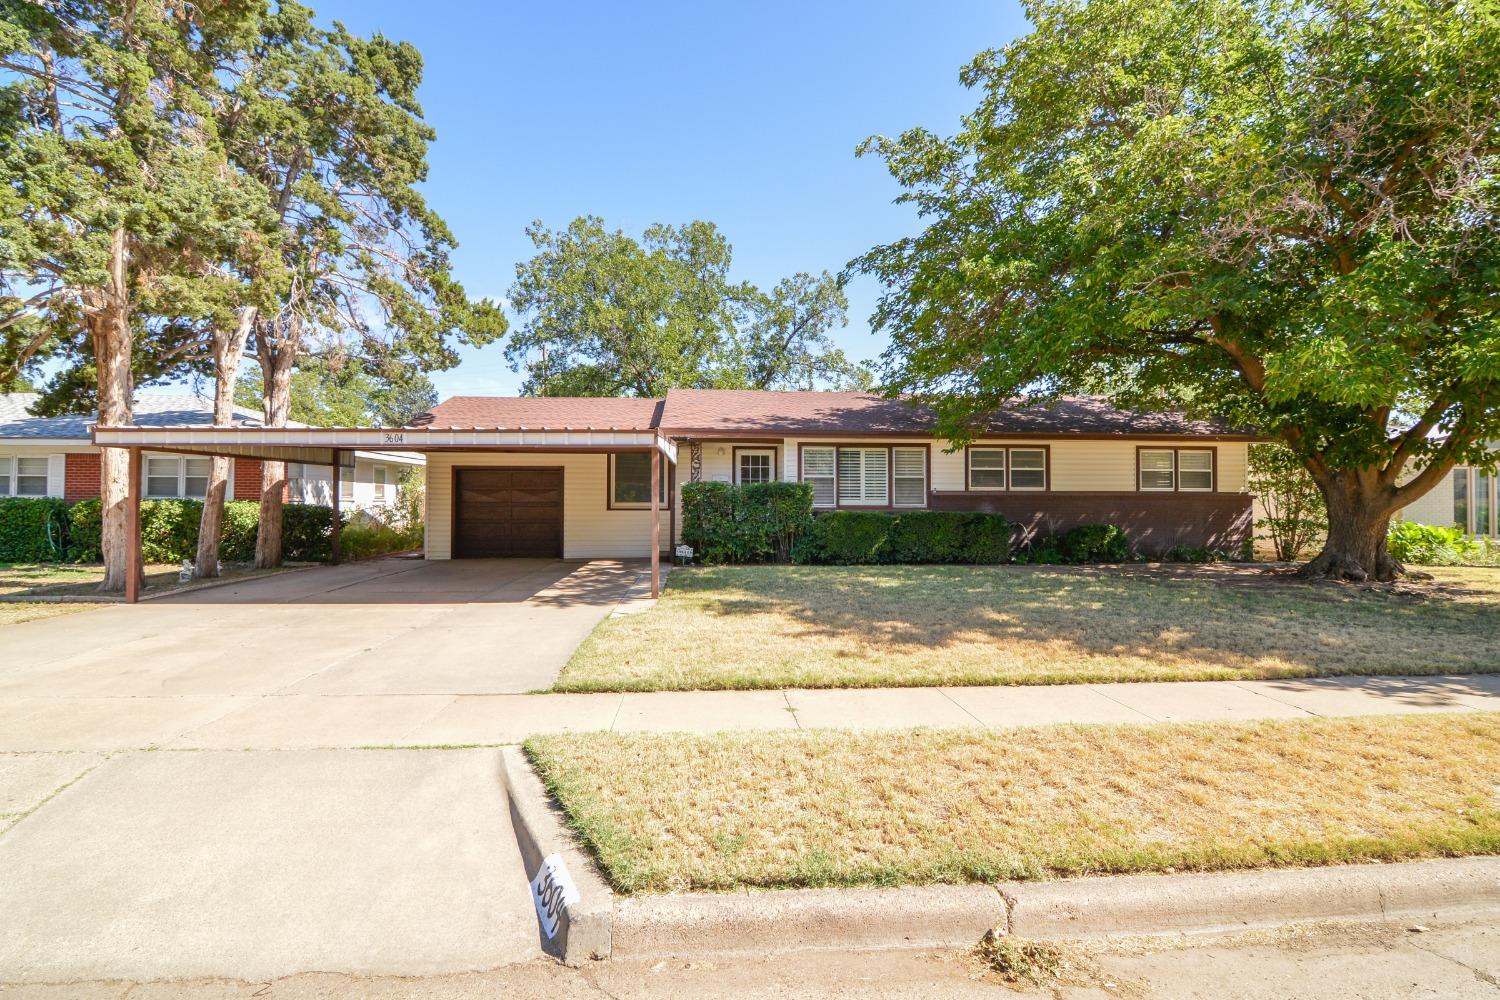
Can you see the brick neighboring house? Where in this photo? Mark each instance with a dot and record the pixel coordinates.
(54, 457)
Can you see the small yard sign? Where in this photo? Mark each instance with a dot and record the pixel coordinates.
(552, 890)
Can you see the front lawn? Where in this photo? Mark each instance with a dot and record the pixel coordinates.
(79, 582)
(675, 812)
(815, 626)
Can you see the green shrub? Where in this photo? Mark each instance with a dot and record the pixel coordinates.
(851, 537)
(241, 522)
(85, 525)
(33, 529)
(1041, 550)
(1195, 554)
(760, 522)
(371, 538)
(306, 532)
(1094, 543)
(169, 530)
(1430, 545)
(846, 538)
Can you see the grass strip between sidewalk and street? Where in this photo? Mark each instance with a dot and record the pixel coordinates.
(805, 809)
(893, 626)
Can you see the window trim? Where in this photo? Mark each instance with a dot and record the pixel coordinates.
(734, 461)
(378, 487)
(1470, 525)
(609, 484)
(1177, 467)
(12, 475)
(1009, 487)
(890, 472)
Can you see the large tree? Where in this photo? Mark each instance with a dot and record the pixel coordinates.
(329, 125)
(118, 204)
(1286, 214)
(607, 314)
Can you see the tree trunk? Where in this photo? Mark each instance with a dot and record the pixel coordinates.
(107, 319)
(1359, 518)
(229, 345)
(276, 358)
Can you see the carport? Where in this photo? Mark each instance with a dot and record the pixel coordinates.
(510, 511)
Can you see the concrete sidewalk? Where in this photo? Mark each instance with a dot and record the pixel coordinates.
(307, 721)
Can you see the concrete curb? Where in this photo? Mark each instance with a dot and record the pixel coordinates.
(691, 924)
(584, 930)
(1212, 903)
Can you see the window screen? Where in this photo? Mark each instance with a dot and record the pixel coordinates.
(1157, 469)
(987, 469)
(1195, 470)
(818, 469)
(1028, 469)
(909, 473)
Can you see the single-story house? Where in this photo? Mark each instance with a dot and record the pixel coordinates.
(55, 457)
(1466, 498)
(582, 478)
(1166, 479)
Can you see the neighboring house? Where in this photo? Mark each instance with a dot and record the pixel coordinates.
(1167, 480)
(1466, 497)
(55, 457)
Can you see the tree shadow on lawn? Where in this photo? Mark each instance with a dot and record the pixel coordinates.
(1207, 621)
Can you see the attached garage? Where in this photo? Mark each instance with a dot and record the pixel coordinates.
(507, 512)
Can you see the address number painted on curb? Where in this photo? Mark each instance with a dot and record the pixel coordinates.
(552, 891)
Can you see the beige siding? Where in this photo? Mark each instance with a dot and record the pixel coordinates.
(1433, 507)
(590, 530)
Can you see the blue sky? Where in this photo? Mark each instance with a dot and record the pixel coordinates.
(746, 115)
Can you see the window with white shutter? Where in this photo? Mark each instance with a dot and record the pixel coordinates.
(909, 476)
(1158, 468)
(818, 469)
(864, 477)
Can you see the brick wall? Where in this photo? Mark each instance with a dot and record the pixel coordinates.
(81, 475)
(1154, 521)
(247, 479)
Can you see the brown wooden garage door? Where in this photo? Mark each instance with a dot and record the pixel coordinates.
(507, 512)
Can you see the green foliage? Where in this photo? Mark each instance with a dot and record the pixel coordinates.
(1195, 554)
(610, 315)
(852, 537)
(1283, 215)
(169, 531)
(1295, 514)
(1094, 543)
(33, 529)
(341, 391)
(761, 522)
(1431, 545)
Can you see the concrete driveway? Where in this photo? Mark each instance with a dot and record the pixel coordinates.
(139, 840)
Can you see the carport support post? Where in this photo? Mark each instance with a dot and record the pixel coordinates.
(333, 536)
(134, 567)
(655, 522)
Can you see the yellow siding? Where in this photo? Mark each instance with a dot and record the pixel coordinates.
(590, 530)
(1433, 507)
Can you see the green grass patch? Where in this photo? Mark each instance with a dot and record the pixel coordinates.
(883, 626)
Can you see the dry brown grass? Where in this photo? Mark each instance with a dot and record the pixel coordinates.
(789, 626)
(670, 812)
(56, 579)
(13, 613)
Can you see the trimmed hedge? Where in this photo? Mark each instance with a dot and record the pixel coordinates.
(169, 530)
(849, 537)
(33, 529)
(760, 522)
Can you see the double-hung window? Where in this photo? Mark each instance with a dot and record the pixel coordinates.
(1007, 468)
(1476, 506)
(1167, 470)
(170, 476)
(864, 477)
(818, 468)
(909, 476)
(377, 474)
(23, 477)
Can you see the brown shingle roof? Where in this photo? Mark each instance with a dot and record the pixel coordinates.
(557, 412)
(701, 412)
(698, 411)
